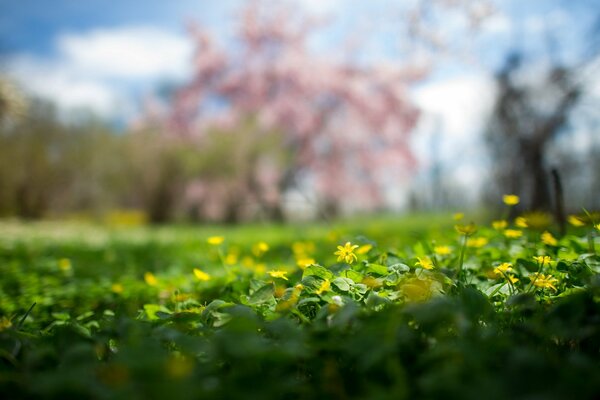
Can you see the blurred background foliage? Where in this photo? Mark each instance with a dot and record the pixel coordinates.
(271, 131)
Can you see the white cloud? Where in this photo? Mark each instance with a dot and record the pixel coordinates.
(98, 68)
(454, 113)
(58, 82)
(460, 103)
(129, 52)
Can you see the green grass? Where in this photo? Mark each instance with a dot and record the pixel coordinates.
(155, 312)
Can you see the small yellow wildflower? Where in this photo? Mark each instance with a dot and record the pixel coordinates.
(260, 248)
(598, 227)
(424, 262)
(575, 221)
(201, 275)
(503, 269)
(364, 249)
(181, 297)
(513, 233)
(543, 281)
(231, 259)
(458, 216)
(178, 367)
(64, 264)
(499, 225)
(260, 268)
(477, 242)
(442, 250)
(5, 323)
(299, 247)
(346, 253)
(117, 288)
(521, 222)
(248, 262)
(510, 199)
(542, 259)
(150, 279)
(215, 240)
(278, 274)
(466, 230)
(548, 239)
(305, 262)
(325, 287)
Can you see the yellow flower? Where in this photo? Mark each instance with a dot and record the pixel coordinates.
(521, 222)
(325, 287)
(179, 367)
(424, 262)
(598, 227)
(542, 259)
(513, 233)
(260, 248)
(201, 275)
(299, 247)
(64, 264)
(503, 268)
(304, 262)
(477, 242)
(248, 262)
(466, 229)
(543, 281)
(215, 240)
(231, 259)
(117, 288)
(575, 221)
(458, 216)
(364, 249)
(260, 268)
(510, 199)
(346, 253)
(499, 225)
(5, 323)
(150, 279)
(548, 239)
(278, 274)
(442, 250)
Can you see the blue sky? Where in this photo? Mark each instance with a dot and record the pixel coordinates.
(105, 55)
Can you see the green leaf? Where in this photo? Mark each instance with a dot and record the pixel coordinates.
(152, 309)
(344, 284)
(61, 316)
(262, 295)
(352, 274)
(399, 267)
(85, 315)
(317, 270)
(377, 269)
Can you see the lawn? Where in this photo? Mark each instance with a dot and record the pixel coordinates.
(418, 306)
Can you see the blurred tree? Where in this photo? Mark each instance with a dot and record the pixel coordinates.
(535, 103)
(344, 127)
(526, 118)
(48, 166)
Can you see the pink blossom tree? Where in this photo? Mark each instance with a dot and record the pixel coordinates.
(344, 126)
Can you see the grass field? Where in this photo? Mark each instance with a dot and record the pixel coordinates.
(421, 306)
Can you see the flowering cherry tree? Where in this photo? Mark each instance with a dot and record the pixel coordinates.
(345, 126)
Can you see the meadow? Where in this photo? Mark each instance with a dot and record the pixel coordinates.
(418, 306)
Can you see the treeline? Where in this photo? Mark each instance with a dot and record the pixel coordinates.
(86, 168)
